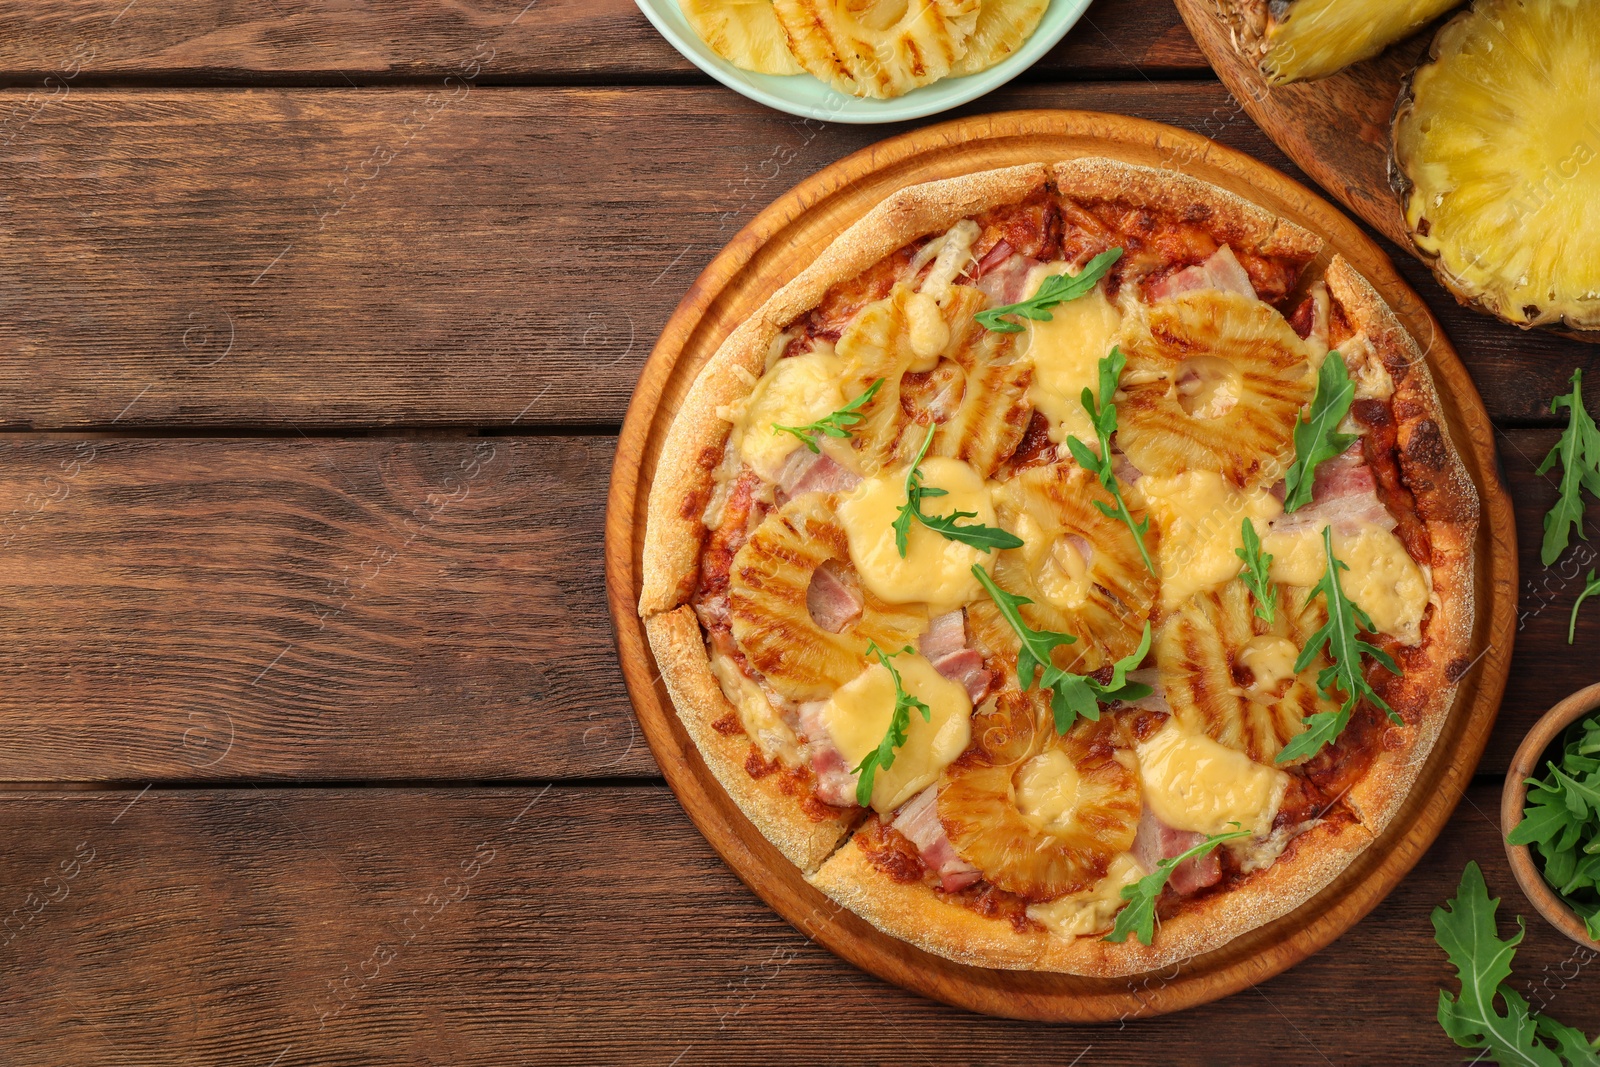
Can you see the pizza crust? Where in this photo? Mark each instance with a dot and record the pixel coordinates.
(1447, 503)
(936, 922)
(674, 530)
(680, 652)
(1232, 219)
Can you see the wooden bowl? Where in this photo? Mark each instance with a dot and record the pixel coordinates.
(1515, 797)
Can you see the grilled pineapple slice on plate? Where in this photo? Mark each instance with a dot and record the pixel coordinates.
(1315, 38)
(1001, 28)
(1039, 815)
(1215, 381)
(1497, 156)
(744, 32)
(1229, 674)
(1081, 569)
(771, 623)
(877, 48)
(937, 362)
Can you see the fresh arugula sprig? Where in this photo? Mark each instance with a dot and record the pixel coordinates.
(1139, 916)
(1255, 574)
(1317, 437)
(1589, 590)
(977, 535)
(1561, 821)
(1104, 417)
(1464, 926)
(1579, 453)
(1056, 289)
(1343, 674)
(882, 757)
(834, 424)
(1072, 695)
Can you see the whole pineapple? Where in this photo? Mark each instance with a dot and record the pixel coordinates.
(1015, 849)
(771, 623)
(1215, 381)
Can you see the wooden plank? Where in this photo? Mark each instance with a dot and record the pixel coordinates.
(342, 258)
(582, 925)
(212, 41)
(151, 584)
(201, 609)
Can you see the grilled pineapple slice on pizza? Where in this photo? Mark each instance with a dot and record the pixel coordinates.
(939, 364)
(771, 623)
(1229, 674)
(1497, 152)
(1315, 38)
(744, 32)
(1215, 381)
(877, 48)
(1001, 28)
(1081, 569)
(1039, 815)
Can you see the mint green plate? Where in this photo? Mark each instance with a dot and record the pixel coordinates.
(801, 94)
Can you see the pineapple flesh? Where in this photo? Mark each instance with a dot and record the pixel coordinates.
(1215, 381)
(1081, 569)
(1001, 28)
(1316, 38)
(1497, 155)
(771, 623)
(1231, 675)
(935, 360)
(877, 48)
(989, 799)
(744, 32)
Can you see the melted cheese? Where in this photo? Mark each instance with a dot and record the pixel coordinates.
(1066, 351)
(1383, 579)
(1047, 791)
(954, 255)
(796, 391)
(1093, 910)
(1194, 783)
(935, 570)
(858, 715)
(1199, 514)
(926, 331)
(772, 736)
(1270, 660)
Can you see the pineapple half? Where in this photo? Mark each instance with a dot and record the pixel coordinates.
(1001, 28)
(767, 603)
(877, 48)
(1229, 674)
(744, 32)
(1215, 381)
(1496, 159)
(938, 363)
(1316, 38)
(1081, 569)
(1091, 819)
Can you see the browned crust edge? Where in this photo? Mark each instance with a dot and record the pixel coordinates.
(1447, 502)
(680, 652)
(917, 913)
(1231, 218)
(695, 440)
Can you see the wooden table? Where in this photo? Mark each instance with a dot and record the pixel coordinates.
(319, 321)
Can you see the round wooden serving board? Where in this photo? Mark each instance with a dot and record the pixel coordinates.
(1336, 129)
(766, 254)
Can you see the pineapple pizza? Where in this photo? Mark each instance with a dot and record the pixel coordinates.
(1069, 570)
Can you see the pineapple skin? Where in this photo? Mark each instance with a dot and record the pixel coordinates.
(1495, 158)
(1317, 38)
